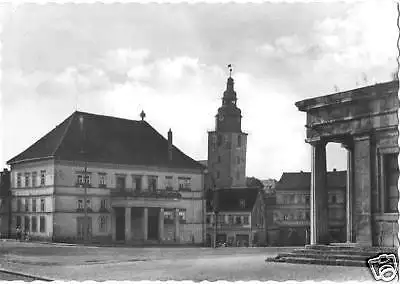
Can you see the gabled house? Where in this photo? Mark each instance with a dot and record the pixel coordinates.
(229, 216)
(101, 179)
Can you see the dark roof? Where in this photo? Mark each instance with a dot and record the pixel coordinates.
(228, 200)
(106, 139)
(302, 180)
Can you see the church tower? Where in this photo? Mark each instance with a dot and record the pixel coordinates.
(227, 144)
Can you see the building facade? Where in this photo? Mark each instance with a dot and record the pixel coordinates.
(292, 209)
(104, 179)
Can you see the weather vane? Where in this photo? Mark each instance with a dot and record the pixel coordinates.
(230, 69)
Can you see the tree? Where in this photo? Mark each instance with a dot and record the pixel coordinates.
(254, 182)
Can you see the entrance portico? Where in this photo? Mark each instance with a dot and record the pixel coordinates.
(365, 122)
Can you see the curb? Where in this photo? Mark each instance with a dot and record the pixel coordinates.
(25, 275)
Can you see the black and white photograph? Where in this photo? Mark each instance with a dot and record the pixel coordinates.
(203, 141)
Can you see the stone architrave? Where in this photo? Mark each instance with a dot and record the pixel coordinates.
(319, 195)
(362, 190)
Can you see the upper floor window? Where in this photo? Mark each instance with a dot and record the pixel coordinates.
(230, 219)
(19, 205)
(239, 141)
(137, 182)
(19, 180)
(333, 198)
(184, 183)
(104, 204)
(182, 215)
(26, 205)
(102, 180)
(208, 219)
(219, 159)
(34, 177)
(242, 203)
(27, 179)
(213, 142)
(80, 204)
(120, 182)
(246, 220)
(152, 183)
(33, 205)
(103, 224)
(307, 215)
(238, 220)
(307, 199)
(168, 183)
(42, 205)
(168, 216)
(42, 177)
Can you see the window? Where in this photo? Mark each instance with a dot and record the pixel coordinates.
(120, 182)
(208, 219)
(26, 205)
(184, 183)
(79, 180)
(285, 217)
(333, 199)
(168, 216)
(237, 175)
(182, 215)
(34, 224)
(27, 225)
(238, 220)
(239, 141)
(238, 160)
(218, 174)
(18, 221)
(213, 142)
(82, 179)
(152, 183)
(103, 224)
(42, 224)
(42, 177)
(137, 183)
(391, 174)
(102, 180)
(307, 199)
(230, 219)
(246, 220)
(104, 204)
(34, 177)
(19, 205)
(219, 159)
(42, 205)
(33, 205)
(168, 183)
(27, 179)
(242, 203)
(19, 180)
(89, 204)
(80, 204)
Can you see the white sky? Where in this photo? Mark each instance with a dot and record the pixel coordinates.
(170, 60)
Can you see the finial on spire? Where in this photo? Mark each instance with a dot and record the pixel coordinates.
(230, 70)
(142, 115)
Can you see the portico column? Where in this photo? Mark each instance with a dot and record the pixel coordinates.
(113, 225)
(161, 224)
(145, 222)
(177, 238)
(349, 195)
(362, 190)
(319, 195)
(128, 223)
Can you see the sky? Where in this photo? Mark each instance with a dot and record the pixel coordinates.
(171, 61)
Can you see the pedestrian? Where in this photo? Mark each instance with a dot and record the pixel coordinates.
(18, 231)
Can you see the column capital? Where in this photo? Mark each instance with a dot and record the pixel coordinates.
(316, 142)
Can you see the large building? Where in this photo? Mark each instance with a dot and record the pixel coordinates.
(292, 209)
(103, 179)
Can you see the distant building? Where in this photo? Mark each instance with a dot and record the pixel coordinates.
(292, 210)
(5, 203)
(269, 185)
(232, 223)
(140, 188)
(265, 231)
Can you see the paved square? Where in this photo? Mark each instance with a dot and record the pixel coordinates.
(65, 262)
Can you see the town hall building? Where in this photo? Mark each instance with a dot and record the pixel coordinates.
(97, 178)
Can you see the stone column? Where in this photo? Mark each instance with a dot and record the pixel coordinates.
(349, 195)
(161, 224)
(319, 195)
(381, 183)
(113, 225)
(362, 191)
(145, 222)
(128, 223)
(177, 224)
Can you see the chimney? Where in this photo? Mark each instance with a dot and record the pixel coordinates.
(170, 145)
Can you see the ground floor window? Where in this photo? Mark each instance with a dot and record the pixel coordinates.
(27, 224)
(34, 224)
(103, 224)
(42, 224)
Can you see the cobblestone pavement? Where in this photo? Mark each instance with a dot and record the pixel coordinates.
(65, 262)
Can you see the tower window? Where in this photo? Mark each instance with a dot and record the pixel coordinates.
(239, 141)
(219, 140)
(238, 160)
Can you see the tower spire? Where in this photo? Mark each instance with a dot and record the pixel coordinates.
(230, 70)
